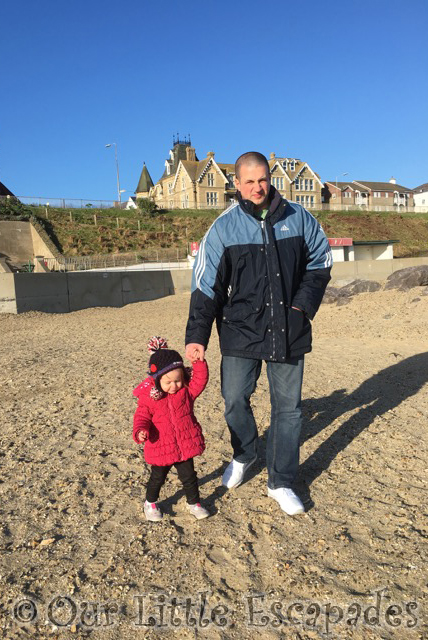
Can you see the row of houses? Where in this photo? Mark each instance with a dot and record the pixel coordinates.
(190, 183)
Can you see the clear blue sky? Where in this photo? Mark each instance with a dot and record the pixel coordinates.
(341, 85)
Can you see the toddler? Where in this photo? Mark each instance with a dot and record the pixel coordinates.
(165, 422)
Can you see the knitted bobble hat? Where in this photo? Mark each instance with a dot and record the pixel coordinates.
(162, 359)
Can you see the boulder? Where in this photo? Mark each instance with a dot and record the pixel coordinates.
(331, 294)
(358, 286)
(408, 278)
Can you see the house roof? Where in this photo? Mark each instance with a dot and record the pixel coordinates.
(145, 181)
(382, 186)
(342, 185)
(4, 191)
(178, 153)
(422, 188)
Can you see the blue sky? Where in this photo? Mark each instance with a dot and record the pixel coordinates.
(341, 85)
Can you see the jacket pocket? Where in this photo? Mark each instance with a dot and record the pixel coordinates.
(298, 325)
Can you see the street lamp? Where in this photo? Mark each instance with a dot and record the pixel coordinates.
(119, 192)
(343, 174)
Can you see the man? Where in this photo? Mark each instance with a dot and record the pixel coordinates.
(261, 272)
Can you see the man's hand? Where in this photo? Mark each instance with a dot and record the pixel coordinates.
(195, 352)
(142, 436)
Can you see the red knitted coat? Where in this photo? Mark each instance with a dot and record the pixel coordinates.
(174, 434)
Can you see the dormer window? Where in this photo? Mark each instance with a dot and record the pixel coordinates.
(292, 165)
(284, 164)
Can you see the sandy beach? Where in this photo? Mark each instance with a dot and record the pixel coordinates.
(72, 486)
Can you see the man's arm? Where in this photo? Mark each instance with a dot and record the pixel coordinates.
(209, 283)
(318, 266)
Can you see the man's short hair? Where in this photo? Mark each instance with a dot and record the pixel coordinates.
(250, 157)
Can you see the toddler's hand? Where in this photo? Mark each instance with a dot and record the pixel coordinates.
(142, 436)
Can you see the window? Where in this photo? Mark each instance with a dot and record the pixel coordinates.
(212, 198)
(171, 204)
(169, 187)
(210, 179)
(386, 194)
(312, 199)
(347, 194)
(298, 198)
(231, 181)
(284, 164)
(183, 183)
(291, 165)
(311, 185)
(376, 194)
(297, 184)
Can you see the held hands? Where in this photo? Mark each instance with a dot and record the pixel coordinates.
(195, 352)
(142, 436)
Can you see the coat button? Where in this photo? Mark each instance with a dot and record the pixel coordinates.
(281, 302)
(224, 317)
(283, 330)
(277, 274)
(267, 304)
(269, 330)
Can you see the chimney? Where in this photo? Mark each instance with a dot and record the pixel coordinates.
(272, 155)
(210, 154)
(393, 180)
(190, 154)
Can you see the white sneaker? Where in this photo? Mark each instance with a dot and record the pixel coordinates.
(152, 511)
(234, 473)
(287, 500)
(198, 511)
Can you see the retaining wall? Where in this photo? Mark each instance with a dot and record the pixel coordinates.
(64, 292)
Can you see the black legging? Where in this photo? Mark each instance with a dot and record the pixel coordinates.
(186, 473)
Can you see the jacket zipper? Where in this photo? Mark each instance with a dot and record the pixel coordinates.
(270, 288)
(173, 424)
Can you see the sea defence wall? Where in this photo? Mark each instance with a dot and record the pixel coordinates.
(64, 292)
(20, 242)
(72, 291)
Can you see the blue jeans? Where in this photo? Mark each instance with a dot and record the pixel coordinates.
(238, 381)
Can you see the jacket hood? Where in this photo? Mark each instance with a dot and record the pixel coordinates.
(275, 200)
(144, 388)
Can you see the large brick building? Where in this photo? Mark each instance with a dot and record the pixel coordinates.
(190, 183)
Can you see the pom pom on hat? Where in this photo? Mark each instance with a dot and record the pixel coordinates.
(155, 343)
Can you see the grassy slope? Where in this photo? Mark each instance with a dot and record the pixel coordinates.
(80, 236)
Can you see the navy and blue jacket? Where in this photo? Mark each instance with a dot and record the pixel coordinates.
(250, 272)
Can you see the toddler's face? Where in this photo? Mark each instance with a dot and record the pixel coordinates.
(172, 381)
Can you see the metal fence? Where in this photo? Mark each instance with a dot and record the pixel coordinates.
(66, 203)
(163, 258)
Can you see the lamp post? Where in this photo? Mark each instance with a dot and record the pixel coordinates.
(343, 174)
(119, 192)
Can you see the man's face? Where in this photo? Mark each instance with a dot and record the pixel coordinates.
(254, 184)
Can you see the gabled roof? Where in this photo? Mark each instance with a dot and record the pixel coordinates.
(306, 166)
(421, 189)
(342, 185)
(382, 186)
(4, 191)
(145, 181)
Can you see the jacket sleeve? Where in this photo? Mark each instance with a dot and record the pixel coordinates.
(318, 266)
(199, 379)
(142, 420)
(209, 285)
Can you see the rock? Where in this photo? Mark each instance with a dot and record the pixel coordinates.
(342, 301)
(424, 292)
(330, 295)
(46, 542)
(359, 286)
(408, 278)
